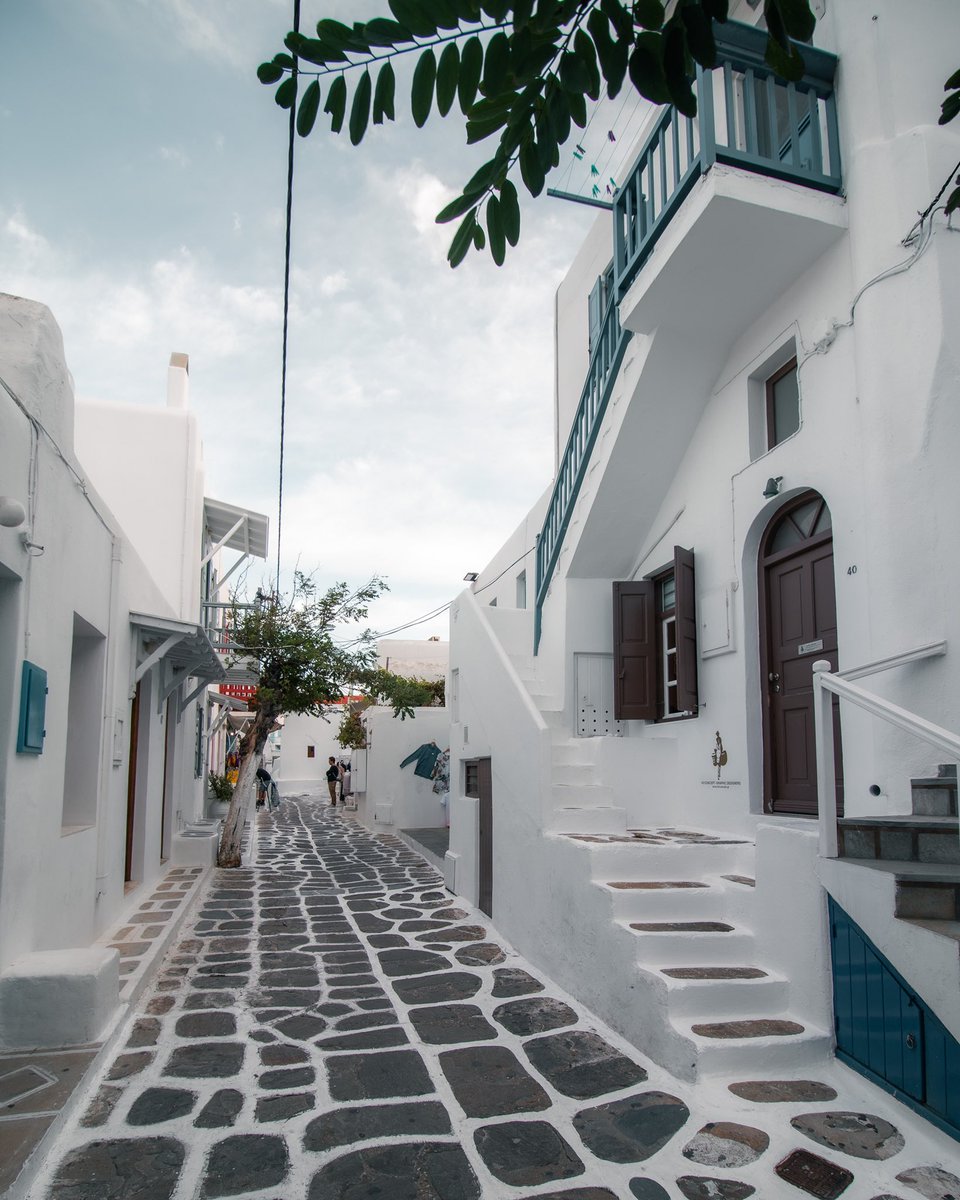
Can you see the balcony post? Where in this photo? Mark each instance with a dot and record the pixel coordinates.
(708, 121)
(826, 763)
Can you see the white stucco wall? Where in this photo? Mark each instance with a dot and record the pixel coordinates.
(297, 771)
(420, 658)
(391, 792)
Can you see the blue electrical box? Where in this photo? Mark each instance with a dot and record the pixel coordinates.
(33, 709)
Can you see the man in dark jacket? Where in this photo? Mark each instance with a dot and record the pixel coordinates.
(333, 778)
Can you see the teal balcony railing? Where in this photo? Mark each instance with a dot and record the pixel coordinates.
(746, 117)
(605, 357)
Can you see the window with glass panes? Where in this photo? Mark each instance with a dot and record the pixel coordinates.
(783, 404)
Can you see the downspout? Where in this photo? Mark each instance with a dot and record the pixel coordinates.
(110, 716)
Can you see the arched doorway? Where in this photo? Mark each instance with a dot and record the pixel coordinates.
(798, 625)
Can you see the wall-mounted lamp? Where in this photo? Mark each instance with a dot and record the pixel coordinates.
(471, 577)
(12, 512)
(773, 487)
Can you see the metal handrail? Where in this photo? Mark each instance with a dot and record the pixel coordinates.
(605, 360)
(826, 685)
(746, 117)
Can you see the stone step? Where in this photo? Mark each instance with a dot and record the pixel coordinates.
(582, 795)
(768, 1043)
(663, 944)
(715, 993)
(912, 838)
(589, 820)
(629, 856)
(656, 900)
(936, 796)
(929, 898)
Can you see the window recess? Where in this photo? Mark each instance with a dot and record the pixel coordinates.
(655, 644)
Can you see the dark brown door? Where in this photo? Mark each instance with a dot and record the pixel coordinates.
(634, 651)
(485, 809)
(132, 784)
(800, 627)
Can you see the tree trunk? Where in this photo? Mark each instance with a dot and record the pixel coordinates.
(231, 839)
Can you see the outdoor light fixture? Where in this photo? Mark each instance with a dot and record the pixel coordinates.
(471, 577)
(12, 512)
(773, 487)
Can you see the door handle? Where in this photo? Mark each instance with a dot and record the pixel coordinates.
(774, 677)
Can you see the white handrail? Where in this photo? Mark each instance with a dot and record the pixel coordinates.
(826, 685)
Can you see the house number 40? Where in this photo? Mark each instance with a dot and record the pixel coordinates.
(851, 570)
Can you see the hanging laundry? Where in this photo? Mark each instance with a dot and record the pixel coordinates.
(425, 757)
(441, 774)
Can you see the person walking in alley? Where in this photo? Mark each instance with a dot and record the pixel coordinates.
(333, 778)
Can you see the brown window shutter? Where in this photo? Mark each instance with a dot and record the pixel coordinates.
(634, 651)
(687, 699)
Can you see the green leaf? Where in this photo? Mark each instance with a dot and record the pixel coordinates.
(612, 56)
(383, 95)
(286, 93)
(482, 179)
(421, 93)
(383, 32)
(269, 72)
(478, 130)
(336, 104)
(585, 52)
(949, 108)
(334, 34)
(558, 112)
(700, 39)
(531, 171)
(496, 63)
(676, 66)
(471, 65)
(649, 13)
(798, 20)
(498, 242)
(448, 72)
(497, 10)
(787, 65)
(522, 12)
(646, 69)
(456, 208)
(462, 239)
(510, 212)
(313, 50)
(444, 13)
(360, 109)
(717, 10)
(952, 82)
(309, 107)
(479, 240)
(953, 200)
(578, 109)
(619, 17)
(414, 16)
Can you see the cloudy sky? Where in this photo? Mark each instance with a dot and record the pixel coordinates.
(142, 197)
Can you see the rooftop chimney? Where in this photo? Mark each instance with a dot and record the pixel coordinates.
(178, 381)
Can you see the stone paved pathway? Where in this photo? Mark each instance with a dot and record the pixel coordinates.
(334, 1026)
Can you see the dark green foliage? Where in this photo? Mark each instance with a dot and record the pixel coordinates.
(948, 110)
(522, 71)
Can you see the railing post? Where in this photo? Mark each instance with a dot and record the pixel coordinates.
(826, 763)
(708, 120)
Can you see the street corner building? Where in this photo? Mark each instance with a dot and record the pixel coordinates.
(114, 696)
(704, 701)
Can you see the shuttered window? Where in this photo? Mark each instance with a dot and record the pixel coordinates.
(655, 644)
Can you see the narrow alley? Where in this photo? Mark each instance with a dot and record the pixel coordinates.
(331, 1024)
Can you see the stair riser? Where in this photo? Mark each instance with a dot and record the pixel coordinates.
(899, 845)
(675, 904)
(928, 902)
(769, 1055)
(655, 950)
(934, 799)
(634, 860)
(723, 1000)
(574, 775)
(601, 820)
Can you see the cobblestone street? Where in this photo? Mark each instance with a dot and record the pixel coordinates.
(333, 1025)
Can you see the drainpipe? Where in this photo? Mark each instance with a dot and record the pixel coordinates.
(110, 715)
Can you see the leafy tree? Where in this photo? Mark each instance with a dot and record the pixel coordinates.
(300, 668)
(402, 692)
(521, 71)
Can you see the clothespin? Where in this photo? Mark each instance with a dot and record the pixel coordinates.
(613, 183)
(580, 148)
(596, 190)
(593, 169)
(577, 155)
(611, 135)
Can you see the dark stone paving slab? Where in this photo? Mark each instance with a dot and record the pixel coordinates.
(647, 1189)
(424, 1171)
(206, 1024)
(483, 955)
(581, 1064)
(432, 989)
(726, 1144)
(362, 1123)
(449, 1023)
(514, 981)
(581, 1193)
(302, 1026)
(221, 1110)
(526, 1153)
(369, 1039)
(397, 963)
(815, 1175)
(536, 1015)
(859, 1134)
(101, 1106)
(285, 1107)
(158, 1104)
(148, 1168)
(933, 1183)
(697, 1187)
(375, 1076)
(205, 1060)
(289, 1077)
(125, 1065)
(633, 1129)
(245, 1163)
(781, 1091)
(488, 1081)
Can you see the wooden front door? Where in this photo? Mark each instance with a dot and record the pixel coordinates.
(485, 836)
(132, 784)
(800, 626)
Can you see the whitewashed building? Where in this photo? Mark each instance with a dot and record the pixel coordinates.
(105, 664)
(758, 417)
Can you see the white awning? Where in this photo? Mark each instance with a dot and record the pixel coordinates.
(181, 649)
(233, 528)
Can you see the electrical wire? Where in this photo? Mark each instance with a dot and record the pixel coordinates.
(491, 582)
(286, 293)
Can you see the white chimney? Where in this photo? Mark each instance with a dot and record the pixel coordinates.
(178, 381)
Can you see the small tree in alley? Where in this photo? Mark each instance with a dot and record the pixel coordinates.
(301, 666)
